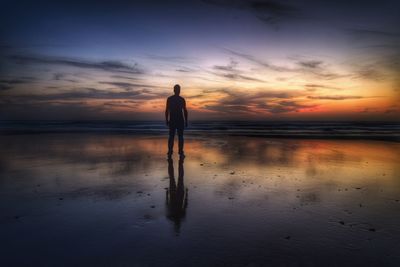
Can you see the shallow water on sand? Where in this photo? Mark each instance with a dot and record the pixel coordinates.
(98, 199)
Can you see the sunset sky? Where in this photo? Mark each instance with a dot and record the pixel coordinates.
(258, 60)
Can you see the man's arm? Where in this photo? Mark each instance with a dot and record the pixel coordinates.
(185, 112)
(167, 113)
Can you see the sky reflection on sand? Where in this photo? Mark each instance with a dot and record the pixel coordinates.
(103, 199)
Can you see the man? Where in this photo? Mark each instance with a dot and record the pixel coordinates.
(176, 118)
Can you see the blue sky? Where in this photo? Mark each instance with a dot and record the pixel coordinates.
(270, 60)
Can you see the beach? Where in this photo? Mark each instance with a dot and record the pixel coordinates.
(289, 112)
(114, 199)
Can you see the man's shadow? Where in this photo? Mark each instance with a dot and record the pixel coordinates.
(176, 195)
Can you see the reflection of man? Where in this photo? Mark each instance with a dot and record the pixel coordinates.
(177, 195)
(176, 118)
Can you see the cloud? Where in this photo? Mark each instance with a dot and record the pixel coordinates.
(284, 107)
(4, 87)
(7, 84)
(312, 64)
(253, 59)
(323, 74)
(185, 69)
(130, 104)
(229, 109)
(62, 77)
(35, 110)
(77, 110)
(127, 86)
(372, 34)
(370, 72)
(269, 12)
(18, 80)
(337, 97)
(110, 66)
(315, 67)
(230, 67)
(313, 87)
(91, 93)
(174, 59)
(272, 102)
(381, 53)
(231, 72)
(272, 12)
(58, 76)
(124, 77)
(309, 67)
(258, 107)
(26, 45)
(392, 109)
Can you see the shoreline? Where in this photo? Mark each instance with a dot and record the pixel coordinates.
(388, 131)
(377, 137)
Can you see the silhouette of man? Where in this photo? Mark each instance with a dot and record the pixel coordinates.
(176, 118)
(176, 195)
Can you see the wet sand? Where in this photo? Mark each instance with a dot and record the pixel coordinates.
(114, 200)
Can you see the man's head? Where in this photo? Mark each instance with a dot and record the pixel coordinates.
(177, 89)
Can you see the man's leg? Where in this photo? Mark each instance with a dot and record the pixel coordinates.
(180, 137)
(171, 140)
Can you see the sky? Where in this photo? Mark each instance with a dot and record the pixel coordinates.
(234, 59)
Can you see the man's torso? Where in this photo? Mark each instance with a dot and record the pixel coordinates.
(176, 104)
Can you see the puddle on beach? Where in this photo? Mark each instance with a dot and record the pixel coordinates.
(93, 199)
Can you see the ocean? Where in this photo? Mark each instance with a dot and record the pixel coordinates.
(326, 130)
